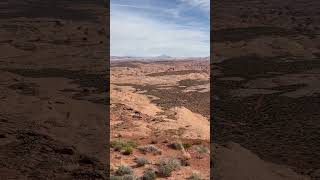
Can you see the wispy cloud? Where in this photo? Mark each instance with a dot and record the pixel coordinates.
(139, 33)
(203, 4)
(169, 12)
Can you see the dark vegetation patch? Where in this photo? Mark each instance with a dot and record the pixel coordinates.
(85, 80)
(183, 72)
(169, 98)
(190, 82)
(247, 33)
(126, 64)
(120, 144)
(251, 67)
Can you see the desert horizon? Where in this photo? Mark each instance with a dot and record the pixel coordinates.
(159, 90)
(235, 101)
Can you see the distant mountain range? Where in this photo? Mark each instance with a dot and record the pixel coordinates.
(156, 57)
(163, 56)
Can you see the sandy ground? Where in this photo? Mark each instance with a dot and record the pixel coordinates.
(155, 122)
(52, 90)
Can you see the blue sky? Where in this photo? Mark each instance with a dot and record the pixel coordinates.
(178, 28)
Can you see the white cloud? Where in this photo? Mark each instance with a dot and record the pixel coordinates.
(134, 35)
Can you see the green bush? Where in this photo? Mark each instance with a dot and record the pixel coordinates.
(125, 177)
(115, 177)
(124, 170)
(149, 174)
(164, 170)
(119, 145)
(129, 177)
(127, 150)
(186, 145)
(141, 161)
(167, 166)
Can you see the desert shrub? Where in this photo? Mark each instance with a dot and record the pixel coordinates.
(115, 177)
(164, 170)
(119, 145)
(124, 170)
(141, 161)
(125, 177)
(174, 163)
(149, 174)
(201, 149)
(128, 177)
(194, 176)
(150, 149)
(127, 150)
(167, 166)
(186, 145)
